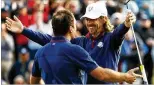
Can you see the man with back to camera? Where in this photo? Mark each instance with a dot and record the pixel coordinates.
(101, 43)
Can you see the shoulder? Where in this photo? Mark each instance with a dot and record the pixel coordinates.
(41, 51)
(75, 47)
(78, 49)
(78, 38)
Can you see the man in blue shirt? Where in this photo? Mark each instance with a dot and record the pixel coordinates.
(102, 42)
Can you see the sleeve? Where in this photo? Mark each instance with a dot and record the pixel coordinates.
(37, 37)
(118, 35)
(36, 72)
(75, 41)
(83, 60)
(79, 41)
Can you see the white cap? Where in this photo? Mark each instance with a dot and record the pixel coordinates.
(95, 10)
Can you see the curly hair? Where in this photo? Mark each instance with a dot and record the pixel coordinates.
(108, 27)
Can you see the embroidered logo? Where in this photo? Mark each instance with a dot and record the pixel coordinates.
(90, 8)
(100, 44)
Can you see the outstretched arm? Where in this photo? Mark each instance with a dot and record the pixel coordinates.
(85, 62)
(105, 74)
(16, 26)
(37, 37)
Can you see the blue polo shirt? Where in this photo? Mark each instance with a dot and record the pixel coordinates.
(104, 49)
(60, 62)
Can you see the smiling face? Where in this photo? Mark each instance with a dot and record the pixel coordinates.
(94, 26)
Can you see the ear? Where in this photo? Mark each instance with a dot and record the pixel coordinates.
(105, 18)
(71, 29)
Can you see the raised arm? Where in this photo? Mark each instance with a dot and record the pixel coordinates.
(16, 26)
(120, 31)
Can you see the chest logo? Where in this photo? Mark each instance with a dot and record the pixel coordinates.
(100, 44)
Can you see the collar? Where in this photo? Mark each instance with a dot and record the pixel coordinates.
(88, 35)
(59, 39)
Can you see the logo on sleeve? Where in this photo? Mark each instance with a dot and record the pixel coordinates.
(100, 44)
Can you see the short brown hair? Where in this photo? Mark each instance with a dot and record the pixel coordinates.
(61, 22)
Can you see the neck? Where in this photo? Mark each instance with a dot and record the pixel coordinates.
(67, 36)
(95, 35)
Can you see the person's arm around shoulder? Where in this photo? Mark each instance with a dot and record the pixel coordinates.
(16, 26)
(105, 74)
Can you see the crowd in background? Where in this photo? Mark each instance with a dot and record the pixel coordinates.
(17, 51)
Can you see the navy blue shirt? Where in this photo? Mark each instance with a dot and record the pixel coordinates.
(60, 62)
(104, 49)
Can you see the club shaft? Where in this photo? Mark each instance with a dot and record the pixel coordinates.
(141, 64)
(136, 45)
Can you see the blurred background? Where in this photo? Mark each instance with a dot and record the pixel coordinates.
(17, 51)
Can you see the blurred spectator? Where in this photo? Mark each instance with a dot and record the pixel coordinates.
(74, 7)
(146, 6)
(38, 6)
(22, 41)
(28, 73)
(111, 7)
(117, 18)
(147, 34)
(49, 9)
(30, 4)
(24, 17)
(39, 26)
(4, 13)
(3, 82)
(21, 66)
(7, 48)
(15, 5)
(129, 56)
(19, 80)
(131, 5)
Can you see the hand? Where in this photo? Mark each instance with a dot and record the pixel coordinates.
(131, 76)
(14, 26)
(130, 19)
